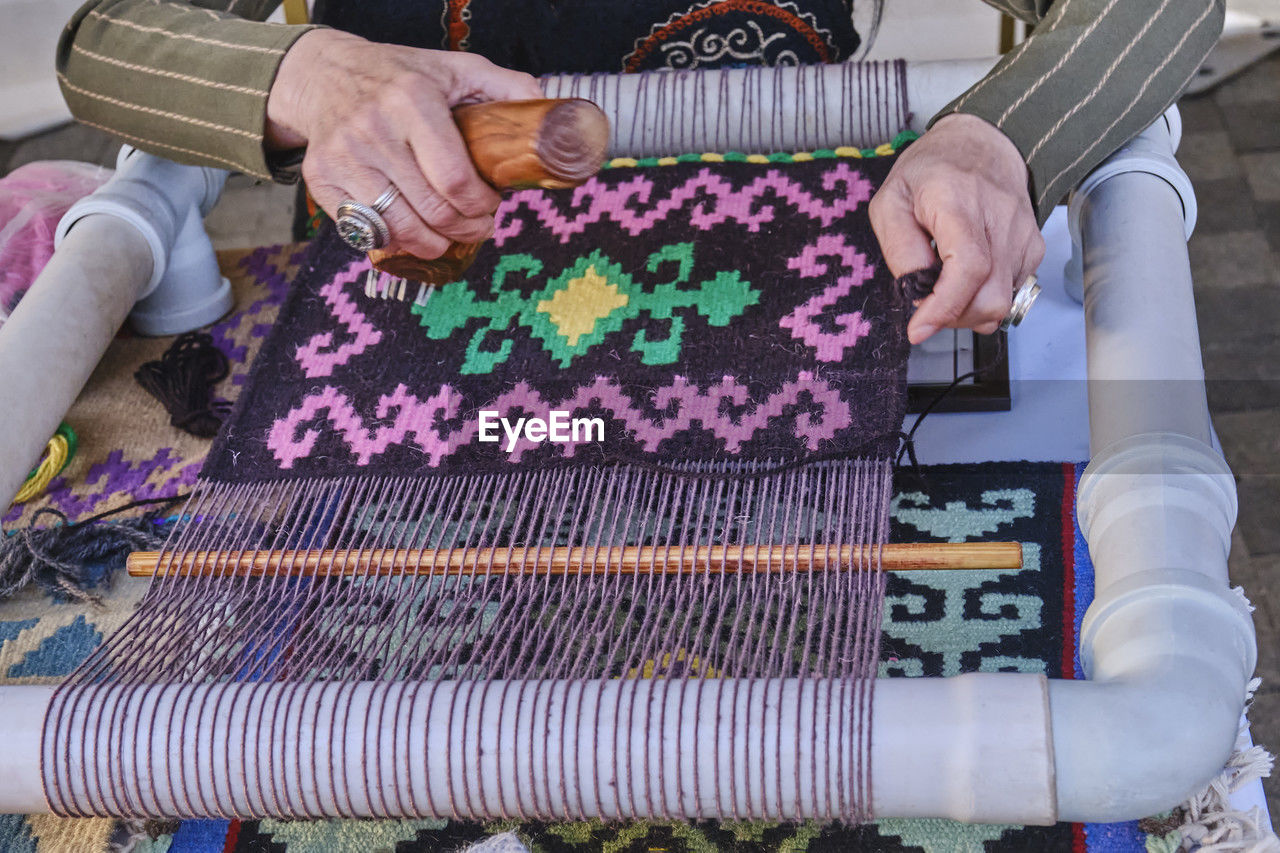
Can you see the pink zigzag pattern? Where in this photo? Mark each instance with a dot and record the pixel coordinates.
(628, 203)
(830, 346)
(419, 419)
(313, 356)
(414, 419)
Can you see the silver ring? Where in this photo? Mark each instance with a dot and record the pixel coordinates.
(1022, 302)
(361, 227)
(382, 202)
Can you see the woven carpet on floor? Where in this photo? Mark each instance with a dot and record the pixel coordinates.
(937, 624)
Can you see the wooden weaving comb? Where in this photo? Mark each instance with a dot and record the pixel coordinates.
(551, 143)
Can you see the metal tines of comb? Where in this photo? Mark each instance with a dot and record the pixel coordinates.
(382, 285)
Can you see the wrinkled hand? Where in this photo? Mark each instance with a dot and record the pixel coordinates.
(371, 115)
(964, 185)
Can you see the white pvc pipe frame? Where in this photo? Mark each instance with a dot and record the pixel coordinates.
(1167, 647)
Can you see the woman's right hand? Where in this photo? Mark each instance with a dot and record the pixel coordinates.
(372, 115)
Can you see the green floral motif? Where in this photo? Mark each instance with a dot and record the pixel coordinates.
(934, 835)
(587, 301)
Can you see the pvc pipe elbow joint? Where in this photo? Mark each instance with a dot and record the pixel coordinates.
(166, 203)
(1139, 747)
(1151, 152)
(1167, 646)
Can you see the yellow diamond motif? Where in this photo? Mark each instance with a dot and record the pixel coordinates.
(583, 301)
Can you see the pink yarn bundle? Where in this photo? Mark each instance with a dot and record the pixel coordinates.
(33, 198)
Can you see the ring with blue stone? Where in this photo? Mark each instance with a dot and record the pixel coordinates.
(361, 227)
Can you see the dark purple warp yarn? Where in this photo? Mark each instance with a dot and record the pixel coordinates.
(918, 284)
(182, 380)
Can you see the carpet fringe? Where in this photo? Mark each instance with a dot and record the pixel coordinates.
(1210, 824)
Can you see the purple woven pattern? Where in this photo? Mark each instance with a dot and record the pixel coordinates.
(701, 311)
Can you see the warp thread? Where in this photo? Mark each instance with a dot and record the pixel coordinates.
(914, 286)
(692, 110)
(650, 633)
(69, 559)
(58, 454)
(918, 284)
(183, 379)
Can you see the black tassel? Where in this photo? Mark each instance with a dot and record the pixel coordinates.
(183, 379)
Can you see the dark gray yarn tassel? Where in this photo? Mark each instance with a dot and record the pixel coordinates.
(67, 560)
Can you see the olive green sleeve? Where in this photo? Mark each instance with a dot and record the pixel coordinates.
(183, 81)
(1090, 77)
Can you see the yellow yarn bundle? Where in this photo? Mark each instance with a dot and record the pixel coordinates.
(56, 456)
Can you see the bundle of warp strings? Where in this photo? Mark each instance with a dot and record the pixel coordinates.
(557, 625)
(183, 378)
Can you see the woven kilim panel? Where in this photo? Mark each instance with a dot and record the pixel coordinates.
(703, 311)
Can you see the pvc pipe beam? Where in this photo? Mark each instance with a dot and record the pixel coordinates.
(1143, 345)
(778, 749)
(55, 337)
(743, 109)
(933, 85)
(135, 247)
(759, 747)
(22, 708)
(975, 748)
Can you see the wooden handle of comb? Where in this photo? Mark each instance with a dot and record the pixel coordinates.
(552, 143)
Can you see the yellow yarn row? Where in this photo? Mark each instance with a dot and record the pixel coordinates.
(885, 149)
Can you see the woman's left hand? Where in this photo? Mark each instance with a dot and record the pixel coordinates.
(963, 184)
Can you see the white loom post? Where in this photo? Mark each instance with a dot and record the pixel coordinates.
(53, 340)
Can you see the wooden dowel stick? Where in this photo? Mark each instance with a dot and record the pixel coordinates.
(898, 557)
